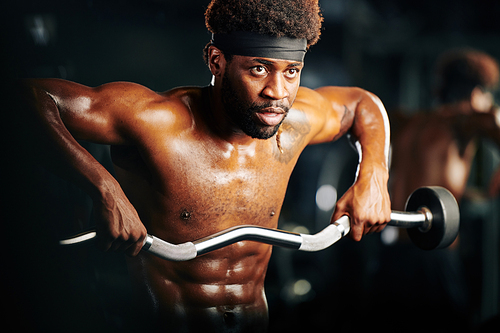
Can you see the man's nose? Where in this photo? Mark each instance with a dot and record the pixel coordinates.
(275, 87)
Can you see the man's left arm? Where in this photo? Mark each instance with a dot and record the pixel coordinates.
(363, 116)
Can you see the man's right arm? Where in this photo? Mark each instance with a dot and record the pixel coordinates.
(61, 112)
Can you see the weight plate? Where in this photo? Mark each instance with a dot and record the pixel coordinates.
(446, 217)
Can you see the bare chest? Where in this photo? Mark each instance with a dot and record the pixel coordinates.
(189, 188)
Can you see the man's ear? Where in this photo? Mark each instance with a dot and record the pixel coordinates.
(481, 101)
(216, 60)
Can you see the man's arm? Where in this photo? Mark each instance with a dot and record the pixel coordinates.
(60, 112)
(341, 110)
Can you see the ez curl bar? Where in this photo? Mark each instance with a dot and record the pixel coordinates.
(431, 218)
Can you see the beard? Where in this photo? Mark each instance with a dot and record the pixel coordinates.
(242, 113)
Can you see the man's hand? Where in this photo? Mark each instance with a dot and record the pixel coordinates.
(118, 225)
(367, 203)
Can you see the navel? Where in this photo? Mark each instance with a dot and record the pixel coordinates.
(229, 318)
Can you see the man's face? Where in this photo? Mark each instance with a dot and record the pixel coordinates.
(257, 93)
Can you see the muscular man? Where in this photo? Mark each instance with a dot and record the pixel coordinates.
(437, 148)
(196, 160)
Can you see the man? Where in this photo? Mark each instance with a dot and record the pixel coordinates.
(193, 161)
(437, 148)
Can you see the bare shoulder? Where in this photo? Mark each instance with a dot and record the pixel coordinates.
(122, 94)
(146, 104)
(171, 110)
(324, 108)
(331, 98)
(308, 98)
(65, 92)
(118, 112)
(311, 103)
(140, 109)
(180, 103)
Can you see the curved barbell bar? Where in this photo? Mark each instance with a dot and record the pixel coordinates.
(302, 242)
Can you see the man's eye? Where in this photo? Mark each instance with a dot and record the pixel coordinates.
(258, 70)
(292, 73)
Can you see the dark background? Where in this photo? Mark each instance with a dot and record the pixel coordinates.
(385, 46)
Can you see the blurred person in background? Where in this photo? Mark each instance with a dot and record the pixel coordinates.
(438, 148)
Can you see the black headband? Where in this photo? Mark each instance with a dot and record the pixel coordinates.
(253, 44)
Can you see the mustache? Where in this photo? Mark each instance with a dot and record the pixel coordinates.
(257, 107)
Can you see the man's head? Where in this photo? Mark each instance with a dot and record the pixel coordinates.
(296, 19)
(256, 54)
(463, 74)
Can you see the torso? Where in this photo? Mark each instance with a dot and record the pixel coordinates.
(190, 184)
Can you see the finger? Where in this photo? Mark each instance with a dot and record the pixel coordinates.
(356, 232)
(340, 210)
(379, 228)
(123, 242)
(104, 243)
(376, 228)
(117, 245)
(117, 242)
(133, 245)
(125, 245)
(134, 249)
(337, 215)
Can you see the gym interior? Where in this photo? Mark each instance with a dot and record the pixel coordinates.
(388, 47)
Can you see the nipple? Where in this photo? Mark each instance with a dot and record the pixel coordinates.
(185, 215)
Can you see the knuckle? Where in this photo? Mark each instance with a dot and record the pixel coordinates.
(112, 233)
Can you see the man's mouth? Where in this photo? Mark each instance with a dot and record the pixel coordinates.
(270, 116)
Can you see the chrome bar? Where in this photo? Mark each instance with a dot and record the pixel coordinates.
(232, 235)
(173, 252)
(80, 238)
(407, 219)
(326, 237)
(303, 242)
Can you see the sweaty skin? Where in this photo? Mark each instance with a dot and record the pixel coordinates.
(184, 170)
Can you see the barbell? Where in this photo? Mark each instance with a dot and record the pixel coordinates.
(431, 217)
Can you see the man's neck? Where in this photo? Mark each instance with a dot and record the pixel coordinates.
(220, 123)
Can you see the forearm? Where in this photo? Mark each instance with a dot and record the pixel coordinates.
(371, 133)
(42, 136)
(367, 202)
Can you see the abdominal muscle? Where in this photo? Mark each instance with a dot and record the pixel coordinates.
(222, 291)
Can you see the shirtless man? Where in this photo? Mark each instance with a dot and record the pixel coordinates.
(193, 161)
(438, 148)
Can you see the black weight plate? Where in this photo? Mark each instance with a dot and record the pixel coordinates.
(446, 217)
